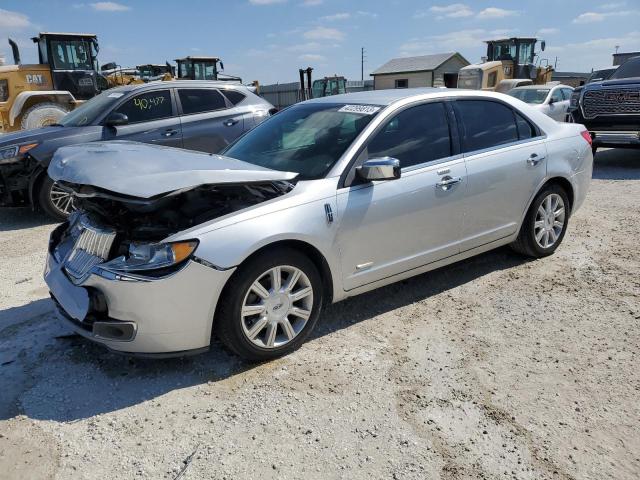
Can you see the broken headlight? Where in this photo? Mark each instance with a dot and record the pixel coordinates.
(152, 256)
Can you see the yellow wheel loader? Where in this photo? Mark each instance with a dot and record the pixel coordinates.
(510, 62)
(33, 96)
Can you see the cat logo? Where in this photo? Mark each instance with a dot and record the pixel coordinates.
(35, 79)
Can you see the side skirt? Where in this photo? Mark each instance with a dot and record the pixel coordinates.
(430, 266)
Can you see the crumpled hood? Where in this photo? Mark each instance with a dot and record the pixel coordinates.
(145, 171)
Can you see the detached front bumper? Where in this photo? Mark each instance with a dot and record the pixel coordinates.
(171, 315)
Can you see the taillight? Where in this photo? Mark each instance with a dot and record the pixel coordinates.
(587, 136)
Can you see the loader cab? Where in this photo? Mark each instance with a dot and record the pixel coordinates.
(198, 68)
(72, 59)
(520, 51)
(328, 86)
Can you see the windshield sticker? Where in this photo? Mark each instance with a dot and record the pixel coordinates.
(115, 95)
(361, 109)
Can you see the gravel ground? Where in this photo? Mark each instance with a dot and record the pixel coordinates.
(496, 367)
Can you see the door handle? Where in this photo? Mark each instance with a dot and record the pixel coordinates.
(447, 182)
(169, 132)
(230, 122)
(534, 159)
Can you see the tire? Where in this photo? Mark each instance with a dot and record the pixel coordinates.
(594, 150)
(248, 335)
(42, 114)
(537, 227)
(52, 202)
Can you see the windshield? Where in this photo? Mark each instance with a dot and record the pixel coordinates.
(71, 55)
(600, 75)
(629, 69)
(530, 95)
(90, 110)
(307, 138)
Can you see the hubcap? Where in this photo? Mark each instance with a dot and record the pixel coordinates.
(61, 200)
(277, 306)
(550, 220)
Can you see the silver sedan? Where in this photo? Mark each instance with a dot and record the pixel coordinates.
(552, 100)
(325, 200)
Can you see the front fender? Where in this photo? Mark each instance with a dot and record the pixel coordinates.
(231, 245)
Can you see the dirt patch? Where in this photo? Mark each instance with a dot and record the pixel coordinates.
(494, 367)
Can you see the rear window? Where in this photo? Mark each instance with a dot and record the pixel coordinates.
(234, 96)
(200, 100)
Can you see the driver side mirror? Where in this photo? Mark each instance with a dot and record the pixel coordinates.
(116, 119)
(385, 168)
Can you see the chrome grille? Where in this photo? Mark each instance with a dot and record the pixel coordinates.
(91, 248)
(613, 101)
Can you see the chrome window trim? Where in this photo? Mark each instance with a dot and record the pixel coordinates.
(505, 145)
(541, 133)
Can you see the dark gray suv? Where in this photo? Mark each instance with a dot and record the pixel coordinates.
(197, 115)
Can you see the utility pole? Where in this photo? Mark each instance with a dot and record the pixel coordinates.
(362, 65)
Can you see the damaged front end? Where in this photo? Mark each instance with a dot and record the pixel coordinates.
(111, 272)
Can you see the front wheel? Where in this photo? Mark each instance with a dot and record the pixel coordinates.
(53, 200)
(270, 305)
(545, 224)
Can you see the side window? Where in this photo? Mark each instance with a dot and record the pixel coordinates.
(147, 106)
(234, 96)
(485, 124)
(200, 100)
(492, 79)
(557, 95)
(567, 93)
(416, 135)
(525, 129)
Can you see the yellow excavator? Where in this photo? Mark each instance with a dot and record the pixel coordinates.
(37, 95)
(510, 62)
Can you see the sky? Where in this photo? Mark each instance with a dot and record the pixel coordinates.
(269, 40)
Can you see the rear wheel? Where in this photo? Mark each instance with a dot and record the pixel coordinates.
(42, 114)
(54, 201)
(270, 305)
(545, 223)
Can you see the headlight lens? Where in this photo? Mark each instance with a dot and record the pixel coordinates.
(14, 152)
(151, 256)
(9, 153)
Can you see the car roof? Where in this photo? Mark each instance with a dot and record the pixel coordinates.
(178, 83)
(376, 97)
(541, 87)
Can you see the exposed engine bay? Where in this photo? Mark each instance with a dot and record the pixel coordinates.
(148, 220)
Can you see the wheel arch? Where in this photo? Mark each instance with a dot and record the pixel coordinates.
(308, 250)
(565, 184)
(26, 100)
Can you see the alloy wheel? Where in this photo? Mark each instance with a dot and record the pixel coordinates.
(277, 306)
(61, 199)
(550, 220)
